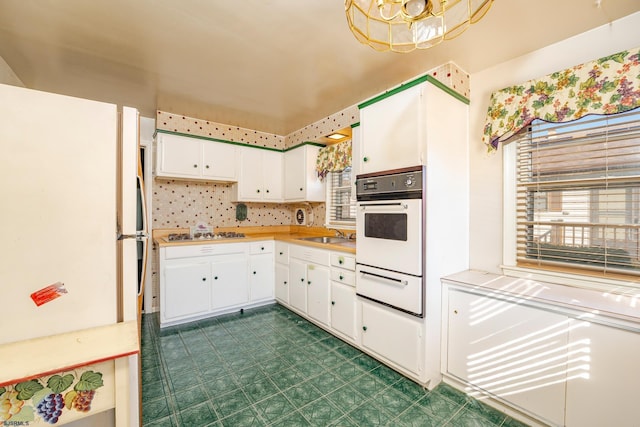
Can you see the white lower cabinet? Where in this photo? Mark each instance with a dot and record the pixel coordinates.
(282, 283)
(556, 363)
(604, 370)
(514, 352)
(230, 281)
(343, 310)
(298, 288)
(198, 281)
(281, 255)
(343, 296)
(186, 288)
(309, 277)
(318, 293)
(261, 271)
(394, 336)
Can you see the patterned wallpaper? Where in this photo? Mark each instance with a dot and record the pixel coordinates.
(181, 204)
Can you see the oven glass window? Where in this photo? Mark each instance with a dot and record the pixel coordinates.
(390, 226)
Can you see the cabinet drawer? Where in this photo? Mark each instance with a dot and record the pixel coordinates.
(343, 276)
(343, 261)
(195, 250)
(263, 247)
(282, 252)
(315, 256)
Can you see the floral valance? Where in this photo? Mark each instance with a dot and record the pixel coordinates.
(333, 158)
(608, 85)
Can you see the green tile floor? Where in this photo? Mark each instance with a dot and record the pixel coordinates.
(270, 367)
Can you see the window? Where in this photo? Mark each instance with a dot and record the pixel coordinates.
(341, 208)
(577, 194)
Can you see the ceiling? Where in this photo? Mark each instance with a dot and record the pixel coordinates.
(269, 65)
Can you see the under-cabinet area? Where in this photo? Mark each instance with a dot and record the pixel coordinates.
(561, 356)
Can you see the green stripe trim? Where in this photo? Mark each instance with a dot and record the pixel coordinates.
(240, 144)
(417, 81)
(315, 144)
(355, 125)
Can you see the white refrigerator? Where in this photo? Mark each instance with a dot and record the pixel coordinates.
(69, 285)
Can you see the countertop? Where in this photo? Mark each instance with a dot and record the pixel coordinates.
(622, 306)
(285, 233)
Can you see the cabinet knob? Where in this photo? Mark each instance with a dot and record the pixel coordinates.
(341, 277)
(365, 159)
(254, 272)
(333, 303)
(267, 190)
(340, 261)
(258, 190)
(195, 166)
(364, 328)
(455, 311)
(215, 278)
(207, 166)
(285, 282)
(204, 279)
(300, 188)
(281, 253)
(262, 248)
(302, 280)
(309, 282)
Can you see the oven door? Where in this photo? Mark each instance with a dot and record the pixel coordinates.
(397, 290)
(389, 235)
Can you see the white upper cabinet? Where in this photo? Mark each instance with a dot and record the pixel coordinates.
(301, 182)
(260, 177)
(195, 158)
(219, 160)
(395, 129)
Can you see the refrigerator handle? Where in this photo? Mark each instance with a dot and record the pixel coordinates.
(140, 236)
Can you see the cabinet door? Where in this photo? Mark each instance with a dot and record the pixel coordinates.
(318, 293)
(516, 352)
(230, 281)
(356, 158)
(343, 309)
(392, 131)
(602, 389)
(179, 156)
(272, 175)
(294, 182)
(393, 335)
(185, 290)
(261, 276)
(282, 283)
(219, 161)
(298, 285)
(250, 185)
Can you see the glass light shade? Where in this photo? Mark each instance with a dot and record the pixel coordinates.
(406, 25)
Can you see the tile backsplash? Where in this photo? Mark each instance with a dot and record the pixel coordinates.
(181, 204)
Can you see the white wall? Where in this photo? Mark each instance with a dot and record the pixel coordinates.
(7, 76)
(486, 169)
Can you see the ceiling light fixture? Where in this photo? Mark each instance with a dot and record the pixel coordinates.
(406, 25)
(336, 136)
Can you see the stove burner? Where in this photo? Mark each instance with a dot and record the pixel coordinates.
(173, 237)
(178, 236)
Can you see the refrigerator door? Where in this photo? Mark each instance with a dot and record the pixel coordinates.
(129, 236)
(58, 174)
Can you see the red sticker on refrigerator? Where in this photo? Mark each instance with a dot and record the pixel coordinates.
(48, 293)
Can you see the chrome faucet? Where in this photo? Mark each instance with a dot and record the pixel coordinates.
(339, 233)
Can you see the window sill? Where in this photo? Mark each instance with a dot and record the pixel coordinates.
(628, 287)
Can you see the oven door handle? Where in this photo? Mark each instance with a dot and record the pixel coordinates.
(391, 279)
(385, 205)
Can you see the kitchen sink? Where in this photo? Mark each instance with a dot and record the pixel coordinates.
(327, 239)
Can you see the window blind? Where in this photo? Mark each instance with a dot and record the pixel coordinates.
(341, 207)
(578, 193)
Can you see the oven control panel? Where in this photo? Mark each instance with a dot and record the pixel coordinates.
(392, 185)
